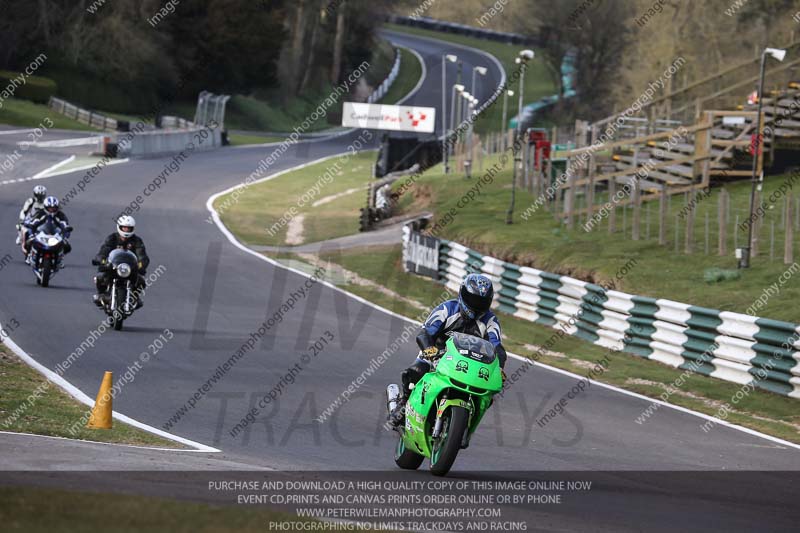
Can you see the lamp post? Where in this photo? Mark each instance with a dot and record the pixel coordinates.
(464, 111)
(452, 59)
(477, 70)
(522, 61)
(472, 102)
(456, 92)
(458, 100)
(744, 261)
(504, 128)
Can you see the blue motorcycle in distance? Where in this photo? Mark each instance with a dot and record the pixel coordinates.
(47, 250)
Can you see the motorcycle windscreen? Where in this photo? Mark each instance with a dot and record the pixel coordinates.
(50, 227)
(474, 347)
(119, 256)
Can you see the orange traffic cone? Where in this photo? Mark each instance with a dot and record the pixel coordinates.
(101, 412)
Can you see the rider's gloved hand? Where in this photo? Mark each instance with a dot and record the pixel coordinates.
(430, 353)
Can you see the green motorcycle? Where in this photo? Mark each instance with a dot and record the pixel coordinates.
(446, 406)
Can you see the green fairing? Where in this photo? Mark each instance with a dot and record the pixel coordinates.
(477, 381)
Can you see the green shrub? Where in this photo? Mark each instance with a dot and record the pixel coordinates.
(35, 88)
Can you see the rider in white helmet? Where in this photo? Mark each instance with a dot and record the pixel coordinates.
(31, 206)
(124, 238)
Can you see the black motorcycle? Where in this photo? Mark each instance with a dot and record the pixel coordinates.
(119, 300)
(47, 250)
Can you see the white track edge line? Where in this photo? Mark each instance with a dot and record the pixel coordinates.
(87, 167)
(82, 441)
(51, 168)
(233, 240)
(79, 395)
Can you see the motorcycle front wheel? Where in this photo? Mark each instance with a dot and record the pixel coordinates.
(47, 269)
(117, 318)
(446, 447)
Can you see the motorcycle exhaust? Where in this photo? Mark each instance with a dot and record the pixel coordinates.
(392, 397)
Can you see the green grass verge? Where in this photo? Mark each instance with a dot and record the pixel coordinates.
(538, 80)
(660, 272)
(408, 77)
(240, 140)
(38, 509)
(267, 203)
(762, 411)
(25, 113)
(54, 412)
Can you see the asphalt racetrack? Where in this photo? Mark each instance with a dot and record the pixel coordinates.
(213, 296)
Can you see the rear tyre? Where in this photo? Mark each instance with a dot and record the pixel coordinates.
(445, 449)
(405, 458)
(47, 268)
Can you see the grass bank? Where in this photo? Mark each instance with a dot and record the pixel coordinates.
(312, 204)
(660, 272)
(408, 77)
(54, 412)
(45, 509)
(242, 140)
(16, 112)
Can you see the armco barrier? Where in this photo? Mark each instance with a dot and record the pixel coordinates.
(160, 142)
(428, 23)
(85, 116)
(387, 83)
(747, 350)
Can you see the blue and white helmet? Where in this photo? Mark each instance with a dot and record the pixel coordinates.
(39, 192)
(475, 296)
(51, 204)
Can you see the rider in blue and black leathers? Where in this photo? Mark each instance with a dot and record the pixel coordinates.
(468, 314)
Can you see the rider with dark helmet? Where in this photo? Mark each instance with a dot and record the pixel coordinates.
(50, 208)
(470, 313)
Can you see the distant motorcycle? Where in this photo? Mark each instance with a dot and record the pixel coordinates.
(119, 300)
(47, 250)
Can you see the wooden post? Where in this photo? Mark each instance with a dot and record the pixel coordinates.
(557, 204)
(771, 240)
(547, 179)
(689, 243)
(624, 219)
(722, 219)
(591, 171)
(788, 237)
(612, 214)
(662, 216)
(569, 201)
(797, 214)
(637, 199)
(756, 227)
(677, 234)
